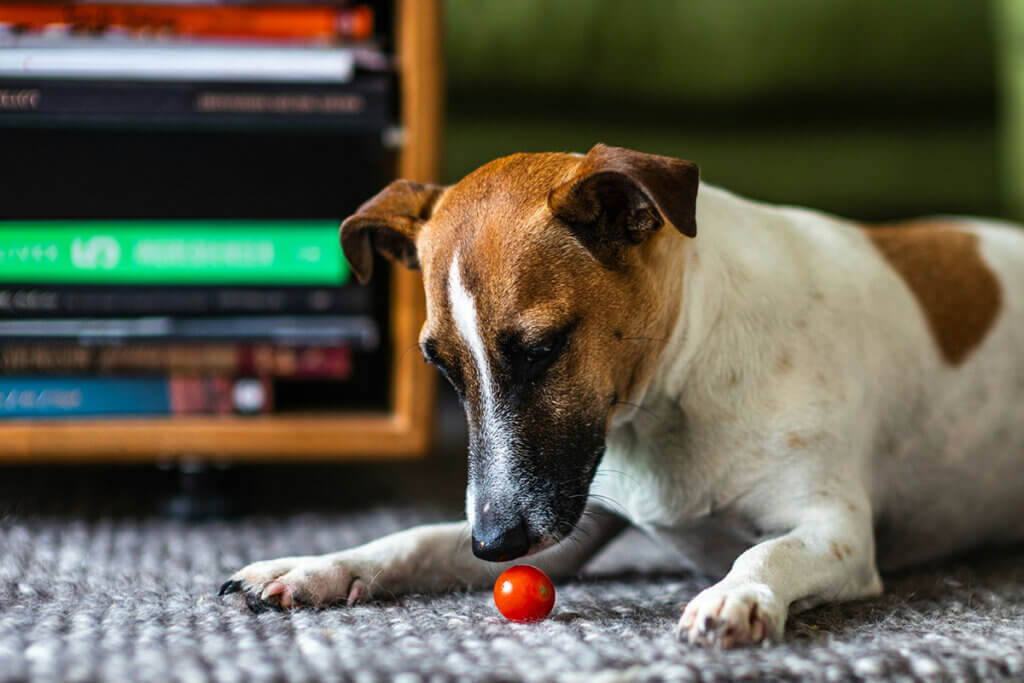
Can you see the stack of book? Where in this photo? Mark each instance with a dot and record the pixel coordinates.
(115, 318)
(193, 62)
(167, 311)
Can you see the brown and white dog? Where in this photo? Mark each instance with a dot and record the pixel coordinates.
(788, 398)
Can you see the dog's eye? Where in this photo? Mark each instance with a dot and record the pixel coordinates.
(528, 359)
(539, 355)
(538, 352)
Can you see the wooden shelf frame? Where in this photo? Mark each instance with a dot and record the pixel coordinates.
(404, 431)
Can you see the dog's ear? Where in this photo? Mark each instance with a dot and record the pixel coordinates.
(619, 197)
(389, 223)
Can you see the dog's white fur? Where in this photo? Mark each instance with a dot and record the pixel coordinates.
(463, 310)
(814, 399)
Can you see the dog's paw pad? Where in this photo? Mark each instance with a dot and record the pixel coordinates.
(731, 616)
(278, 594)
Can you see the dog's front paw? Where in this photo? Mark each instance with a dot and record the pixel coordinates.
(731, 615)
(294, 581)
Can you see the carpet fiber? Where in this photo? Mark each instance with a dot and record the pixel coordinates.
(95, 585)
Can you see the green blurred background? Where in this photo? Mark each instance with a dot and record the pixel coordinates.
(873, 109)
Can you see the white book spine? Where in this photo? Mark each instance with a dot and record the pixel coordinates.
(321, 65)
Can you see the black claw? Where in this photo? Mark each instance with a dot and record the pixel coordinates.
(229, 587)
(257, 606)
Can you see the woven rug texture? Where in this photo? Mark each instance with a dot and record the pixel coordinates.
(96, 585)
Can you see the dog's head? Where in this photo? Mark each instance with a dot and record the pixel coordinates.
(544, 312)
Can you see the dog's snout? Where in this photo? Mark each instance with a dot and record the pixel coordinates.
(499, 539)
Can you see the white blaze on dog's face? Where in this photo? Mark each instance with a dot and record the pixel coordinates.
(543, 312)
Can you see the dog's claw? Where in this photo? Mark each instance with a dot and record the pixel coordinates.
(257, 606)
(254, 602)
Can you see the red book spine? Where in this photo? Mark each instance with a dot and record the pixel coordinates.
(271, 21)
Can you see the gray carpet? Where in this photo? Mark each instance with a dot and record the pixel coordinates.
(96, 586)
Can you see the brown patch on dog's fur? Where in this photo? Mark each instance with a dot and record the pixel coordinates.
(835, 550)
(956, 290)
(785, 362)
(795, 441)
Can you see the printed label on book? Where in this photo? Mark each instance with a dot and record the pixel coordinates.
(184, 252)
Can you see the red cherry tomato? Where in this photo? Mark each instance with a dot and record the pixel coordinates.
(524, 593)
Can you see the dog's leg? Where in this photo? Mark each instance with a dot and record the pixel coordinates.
(424, 559)
(827, 556)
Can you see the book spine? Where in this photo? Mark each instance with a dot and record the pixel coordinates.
(177, 63)
(178, 359)
(64, 301)
(71, 397)
(360, 332)
(275, 22)
(363, 104)
(220, 395)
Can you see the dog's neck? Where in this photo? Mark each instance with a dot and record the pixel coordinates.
(700, 279)
(688, 271)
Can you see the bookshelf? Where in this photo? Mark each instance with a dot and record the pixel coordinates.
(403, 430)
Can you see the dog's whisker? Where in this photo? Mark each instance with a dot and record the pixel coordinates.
(410, 348)
(373, 582)
(463, 542)
(637, 406)
(576, 528)
(605, 471)
(616, 506)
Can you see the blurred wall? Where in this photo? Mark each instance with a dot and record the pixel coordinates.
(869, 108)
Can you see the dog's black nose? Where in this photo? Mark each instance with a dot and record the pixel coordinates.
(497, 543)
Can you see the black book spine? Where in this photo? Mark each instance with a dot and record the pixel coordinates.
(42, 301)
(366, 103)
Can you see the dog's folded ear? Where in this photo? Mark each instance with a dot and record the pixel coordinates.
(619, 197)
(388, 223)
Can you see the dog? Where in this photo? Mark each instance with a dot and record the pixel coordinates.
(789, 399)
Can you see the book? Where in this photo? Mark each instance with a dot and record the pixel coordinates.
(332, 362)
(63, 397)
(306, 22)
(219, 395)
(66, 300)
(148, 252)
(72, 397)
(159, 61)
(364, 104)
(359, 332)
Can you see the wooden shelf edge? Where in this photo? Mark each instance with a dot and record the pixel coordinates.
(363, 436)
